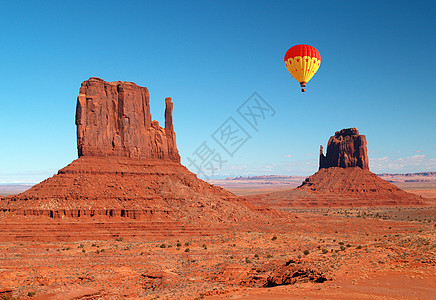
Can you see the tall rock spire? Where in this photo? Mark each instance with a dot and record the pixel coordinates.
(114, 119)
(347, 148)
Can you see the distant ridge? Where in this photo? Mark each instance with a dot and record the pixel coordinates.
(391, 177)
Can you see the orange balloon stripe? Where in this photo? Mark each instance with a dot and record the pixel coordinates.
(302, 50)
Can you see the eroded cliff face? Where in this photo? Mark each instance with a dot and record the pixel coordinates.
(128, 166)
(346, 149)
(114, 119)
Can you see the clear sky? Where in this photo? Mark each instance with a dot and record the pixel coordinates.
(377, 74)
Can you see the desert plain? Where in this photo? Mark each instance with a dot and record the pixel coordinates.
(330, 253)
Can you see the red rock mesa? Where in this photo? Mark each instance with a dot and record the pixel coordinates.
(343, 179)
(128, 166)
(347, 148)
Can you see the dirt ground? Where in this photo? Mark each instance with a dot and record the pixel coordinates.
(358, 253)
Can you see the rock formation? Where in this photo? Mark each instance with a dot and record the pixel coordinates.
(128, 166)
(343, 179)
(114, 119)
(347, 148)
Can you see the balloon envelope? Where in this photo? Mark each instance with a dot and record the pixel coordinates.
(302, 61)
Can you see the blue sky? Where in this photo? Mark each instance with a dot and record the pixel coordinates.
(377, 74)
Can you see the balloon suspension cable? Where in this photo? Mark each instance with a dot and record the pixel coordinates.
(303, 85)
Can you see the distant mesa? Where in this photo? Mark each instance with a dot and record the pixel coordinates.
(128, 166)
(343, 179)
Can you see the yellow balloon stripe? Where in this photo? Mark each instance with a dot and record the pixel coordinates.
(303, 68)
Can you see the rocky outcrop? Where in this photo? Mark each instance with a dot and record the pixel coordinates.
(347, 148)
(114, 119)
(128, 167)
(343, 179)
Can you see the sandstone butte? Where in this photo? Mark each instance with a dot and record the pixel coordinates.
(128, 166)
(343, 179)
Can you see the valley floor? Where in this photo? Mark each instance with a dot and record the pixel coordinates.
(359, 253)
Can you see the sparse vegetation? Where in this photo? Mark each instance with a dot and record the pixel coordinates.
(306, 252)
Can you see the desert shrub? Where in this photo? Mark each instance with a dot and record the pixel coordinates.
(274, 238)
(31, 294)
(83, 250)
(342, 248)
(81, 246)
(187, 244)
(163, 246)
(7, 297)
(120, 239)
(187, 250)
(256, 255)
(179, 244)
(341, 243)
(247, 260)
(204, 246)
(306, 252)
(348, 245)
(269, 256)
(359, 247)
(325, 251)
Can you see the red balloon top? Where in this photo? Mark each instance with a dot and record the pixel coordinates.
(302, 50)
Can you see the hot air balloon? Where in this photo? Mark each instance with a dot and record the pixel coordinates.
(302, 61)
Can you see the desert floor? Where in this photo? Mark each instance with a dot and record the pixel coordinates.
(360, 253)
(377, 253)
